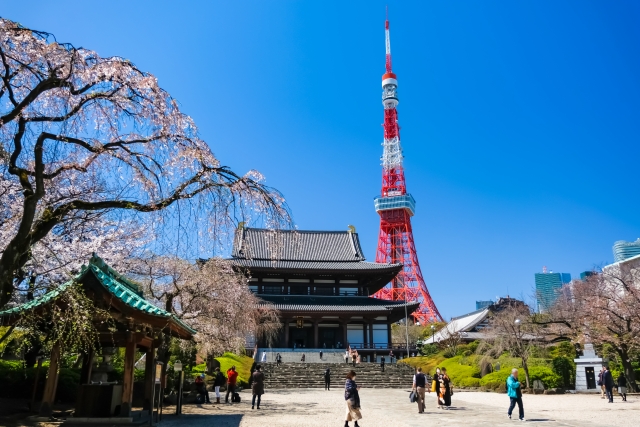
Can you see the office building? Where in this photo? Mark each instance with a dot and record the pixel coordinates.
(548, 287)
(624, 250)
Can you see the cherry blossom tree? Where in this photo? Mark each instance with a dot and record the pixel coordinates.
(210, 297)
(91, 149)
(602, 309)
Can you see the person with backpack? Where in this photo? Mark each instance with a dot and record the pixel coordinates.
(327, 379)
(419, 384)
(232, 378)
(600, 383)
(201, 389)
(514, 391)
(218, 382)
(257, 386)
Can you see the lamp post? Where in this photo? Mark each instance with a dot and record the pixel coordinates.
(177, 367)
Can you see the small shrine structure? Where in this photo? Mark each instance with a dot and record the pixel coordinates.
(139, 326)
(587, 367)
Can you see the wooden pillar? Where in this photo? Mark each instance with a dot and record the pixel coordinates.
(365, 335)
(286, 333)
(51, 385)
(87, 366)
(371, 333)
(389, 335)
(127, 384)
(149, 376)
(315, 334)
(344, 334)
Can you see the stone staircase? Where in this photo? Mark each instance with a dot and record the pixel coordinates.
(311, 375)
(311, 355)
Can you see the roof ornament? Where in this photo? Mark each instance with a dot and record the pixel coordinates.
(352, 229)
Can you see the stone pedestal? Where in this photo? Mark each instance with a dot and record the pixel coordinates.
(587, 368)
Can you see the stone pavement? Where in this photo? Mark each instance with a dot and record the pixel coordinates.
(384, 408)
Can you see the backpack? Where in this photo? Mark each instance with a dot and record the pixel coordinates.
(235, 398)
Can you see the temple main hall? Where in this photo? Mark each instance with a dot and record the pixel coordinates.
(322, 286)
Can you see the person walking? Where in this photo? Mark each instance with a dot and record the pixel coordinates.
(419, 385)
(320, 354)
(352, 398)
(601, 384)
(201, 389)
(278, 359)
(232, 378)
(622, 387)
(302, 359)
(354, 356)
(257, 386)
(264, 357)
(445, 388)
(607, 382)
(346, 357)
(435, 386)
(514, 391)
(218, 382)
(382, 363)
(327, 379)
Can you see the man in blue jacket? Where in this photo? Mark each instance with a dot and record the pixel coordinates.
(515, 394)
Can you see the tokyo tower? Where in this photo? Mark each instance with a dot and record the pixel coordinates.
(396, 207)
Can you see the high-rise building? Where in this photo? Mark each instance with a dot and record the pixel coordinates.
(548, 286)
(624, 250)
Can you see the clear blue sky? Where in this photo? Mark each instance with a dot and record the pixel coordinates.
(520, 120)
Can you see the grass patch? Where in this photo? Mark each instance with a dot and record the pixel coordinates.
(242, 364)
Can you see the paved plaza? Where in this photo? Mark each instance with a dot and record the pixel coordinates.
(385, 408)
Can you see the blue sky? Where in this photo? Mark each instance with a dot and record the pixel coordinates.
(520, 120)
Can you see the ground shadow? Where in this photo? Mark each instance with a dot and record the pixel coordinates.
(539, 420)
(217, 420)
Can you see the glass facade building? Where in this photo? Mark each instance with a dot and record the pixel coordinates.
(548, 287)
(624, 250)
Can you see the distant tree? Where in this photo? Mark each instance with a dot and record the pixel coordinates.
(513, 330)
(92, 148)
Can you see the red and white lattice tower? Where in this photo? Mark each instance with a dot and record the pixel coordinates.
(396, 207)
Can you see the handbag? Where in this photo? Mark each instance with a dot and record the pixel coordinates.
(433, 385)
(413, 396)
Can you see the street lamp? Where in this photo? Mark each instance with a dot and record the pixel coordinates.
(433, 333)
(177, 367)
(518, 322)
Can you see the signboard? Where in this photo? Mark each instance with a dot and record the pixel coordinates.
(300, 322)
(158, 375)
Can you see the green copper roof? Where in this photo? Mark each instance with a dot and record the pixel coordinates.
(122, 288)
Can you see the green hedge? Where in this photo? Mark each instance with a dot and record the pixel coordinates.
(17, 381)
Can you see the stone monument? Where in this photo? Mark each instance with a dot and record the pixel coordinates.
(587, 368)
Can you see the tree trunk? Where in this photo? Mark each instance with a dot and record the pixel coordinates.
(628, 369)
(525, 368)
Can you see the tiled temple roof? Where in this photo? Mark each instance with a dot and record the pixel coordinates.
(119, 286)
(301, 303)
(302, 250)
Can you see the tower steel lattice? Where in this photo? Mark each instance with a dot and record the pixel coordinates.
(396, 207)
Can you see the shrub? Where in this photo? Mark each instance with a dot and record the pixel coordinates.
(467, 382)
(17, 381)
(565, 368)
(429, 350)
(549, 378)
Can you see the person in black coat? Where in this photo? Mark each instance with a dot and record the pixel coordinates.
(607, 381)
(327, 379)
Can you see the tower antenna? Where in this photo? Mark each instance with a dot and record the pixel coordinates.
(396, 207)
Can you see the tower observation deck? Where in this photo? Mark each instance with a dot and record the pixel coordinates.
(396, 207)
